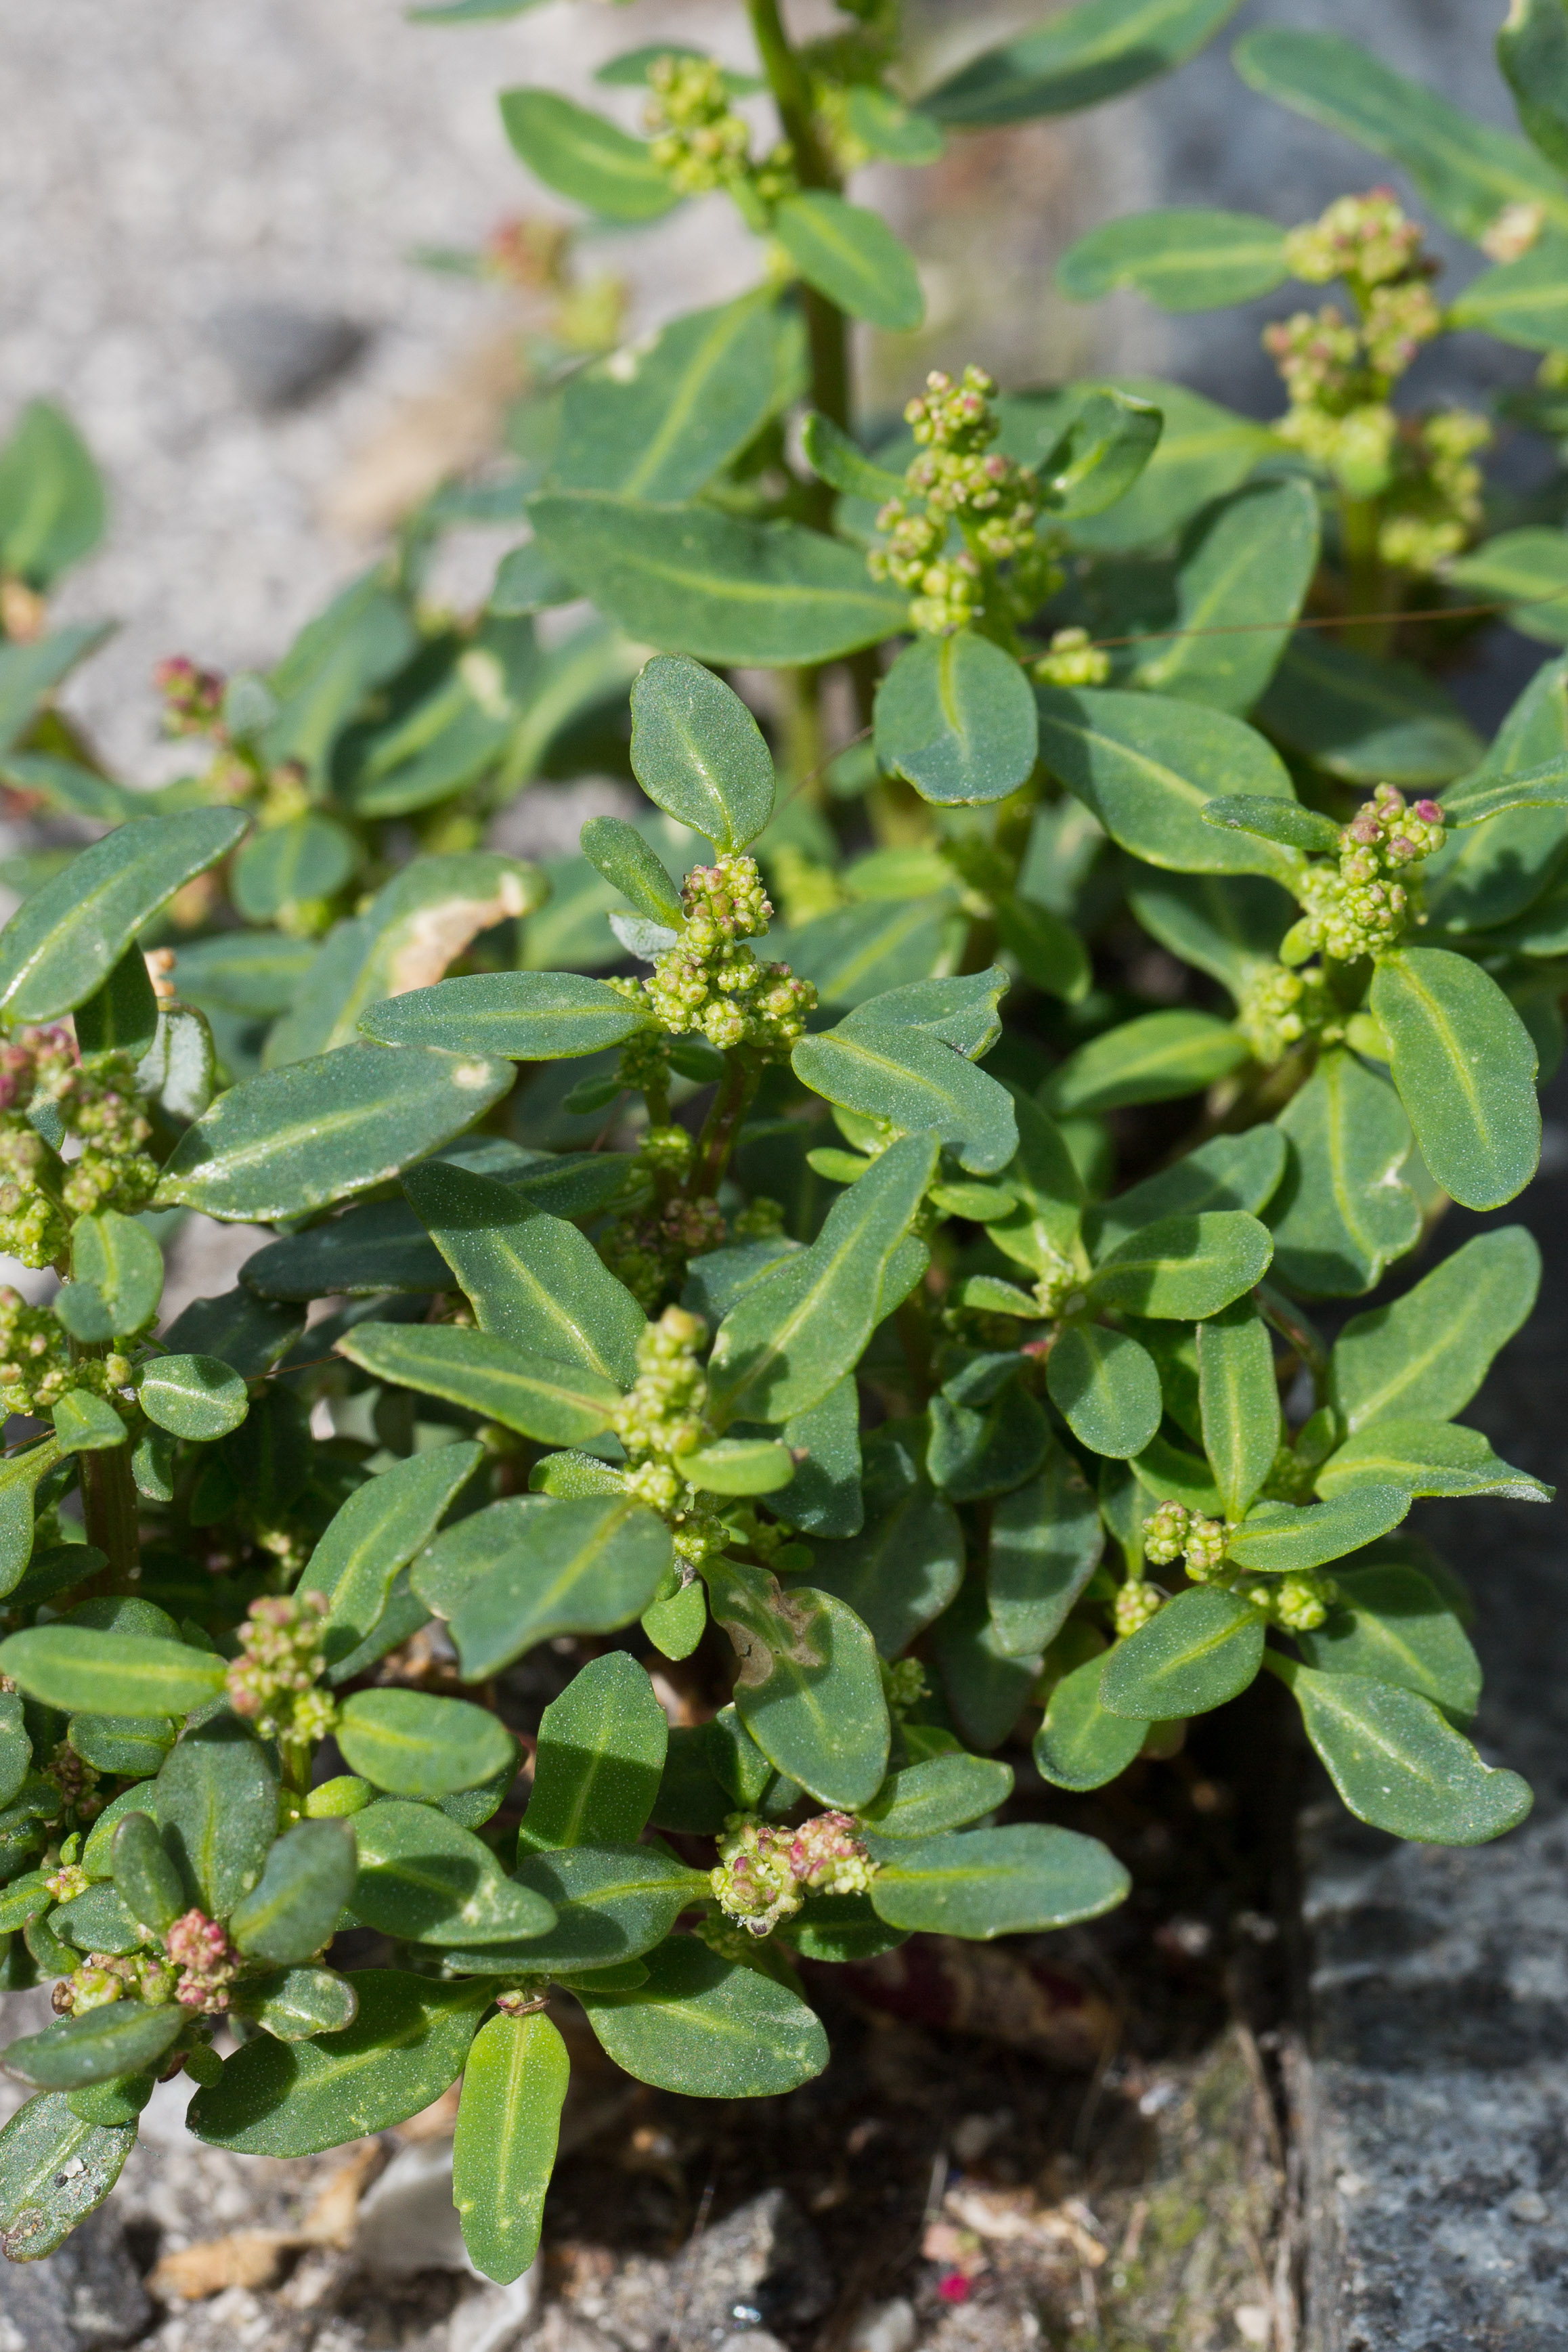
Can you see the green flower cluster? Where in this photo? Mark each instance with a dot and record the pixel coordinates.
(711, 983)
(105, 1977)
(1298, 1604)
(1280, 1008)
(766, 1874)
(1134, 1605)
(1070, 660)
(1338, 373)
(35, 1365)
(282, 1656)
(660, 1419)
(702, 143)
(649, 1251)
(1362, 905)
(1174, 1532)
(1001, 572)
(39, 1193)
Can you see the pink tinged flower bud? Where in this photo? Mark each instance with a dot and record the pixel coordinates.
(1429, 812)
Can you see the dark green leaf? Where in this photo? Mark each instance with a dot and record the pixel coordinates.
(120, 1017)
(308, 1878)
(1186, 259)
(252, 974)
(145, 1877)
(1231, 1171)
(1432, 1347)
(600, 1757)
(904, 1568)
(986, 1688)
(534, 1280)
(1341, 1210)
(945, 1793)
(525, 1016)
(245, 1333)
(723, 588)
(1281, 1540)
(215, 1800)
(15, 1748)
(376, 1532)
(658, 419)
(1389, 1625)
(63, 942)
(809, 1690)
(297, 2098)
(585, 158)
(986, 1448)
(576, 1567)
(1465, 1066)
(611, 1902)
(193, 1396)
(1078, 58)
(1147, 766)
(1369, 722)
(1425, 1458)
(310, 856)
(1204, 1647)
(1157, 1058)
(708, 2028)
(699, 753)
(419, 1745)
(1273, 820)
(508, 2119)
(843, 464)
(1466, 170)
(618, 851)
(989, 1883)
(124, 1265)
(824, 1497)
(423, 1877)
(55, 2169)
(916, 1081)
(1239, 1402)
(292, 2004)
(557, 1403)
(117, 2040)
(1184, 1268)
(299, 1138)
(1046, 1543)
(1106, 444)
(1080, 1745)
(1533, 50)
(1106, 1388)
(860, 952)
(1398, 1762)
(853, 257)
(957, 715)
(72, 1667)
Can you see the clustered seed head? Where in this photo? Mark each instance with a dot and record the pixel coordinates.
(36, 1367)
(1291, 1477)
(1360, 905)
(105, 1977)
(1280, 1007)
(669, 1149)
(661, 1414)
(1439, 494)
(208, 1962)
(67, 1881)
(766, 1874)
(760, 1220)
(649, 1251)
(701, 142)
(95, 1101)
(991, 499)
(710, 983)
(1297, 1603)
(282, 1657)
(193, 698)
(1071, 660)
(1174, 1532)
(75, 1780)
(1370, 240)
(1134, 1606)
(904, 1685)
(722, 902)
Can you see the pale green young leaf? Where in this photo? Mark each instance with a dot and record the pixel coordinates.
(86, 1423)
(52, 503)
(988, 1883)
(792, 1337)
(523, 1016)
(739, 1466)
(1465, 1066)
(1239, 1402)
(407, 2044)
(618, 851)
(1342, 1210)
(842, 464)
(1283, 821)
(294, 2004)
(1397, 1761)
(699, 753)
(508, 2119)
(1204, 1647)
(123, 1263)
(1430, 1350)
(585, 158)
(195, 1397)
(602, 1746)
(955, 716)
(853, 257)
(718, 586)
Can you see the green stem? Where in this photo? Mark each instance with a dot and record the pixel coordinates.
(1359, 522)
(108, 1512)
(791, 87)
(723, 1125)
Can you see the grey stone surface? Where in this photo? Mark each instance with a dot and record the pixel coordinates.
(761, 2266)
(1438, 2114)
(85, 2298)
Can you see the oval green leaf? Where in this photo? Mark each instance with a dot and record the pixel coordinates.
(955, 716)
(1204, 1647)
(416, 1744)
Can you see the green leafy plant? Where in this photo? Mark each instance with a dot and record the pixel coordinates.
(920, 1379)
